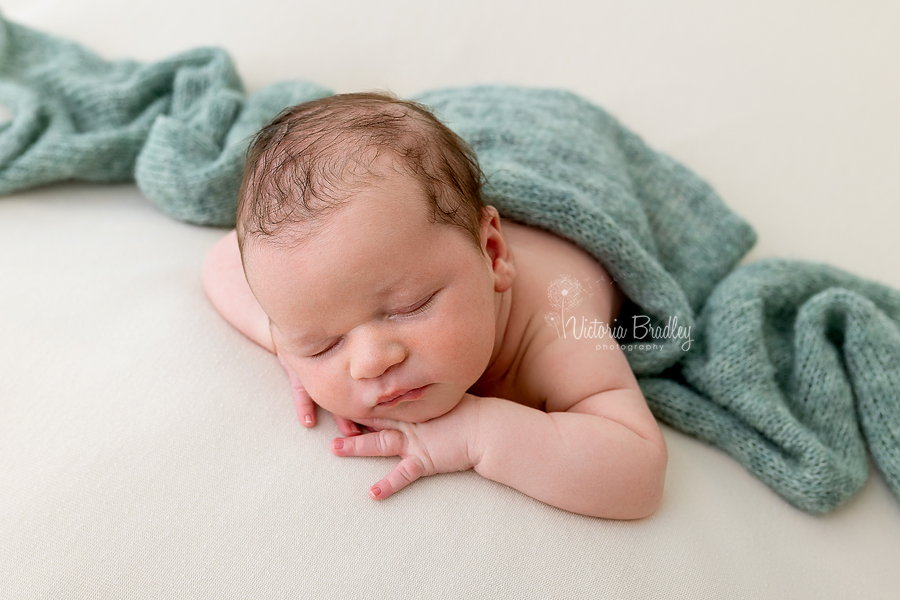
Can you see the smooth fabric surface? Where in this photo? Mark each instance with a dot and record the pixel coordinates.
(147, 449)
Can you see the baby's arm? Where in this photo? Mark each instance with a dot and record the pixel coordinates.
(602, 455)
(226, 286)
(596, 451)
(579, 460)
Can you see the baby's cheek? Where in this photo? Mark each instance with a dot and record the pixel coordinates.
(325, 390)
(333, 404)
(470, 339)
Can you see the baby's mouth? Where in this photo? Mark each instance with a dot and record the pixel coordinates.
(407, 396)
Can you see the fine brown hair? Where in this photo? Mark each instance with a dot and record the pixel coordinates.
(312, 156)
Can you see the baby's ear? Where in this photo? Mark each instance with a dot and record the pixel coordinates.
(495, 248)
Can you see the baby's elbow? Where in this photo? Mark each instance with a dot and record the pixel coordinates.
(649, 492)
(639, 492)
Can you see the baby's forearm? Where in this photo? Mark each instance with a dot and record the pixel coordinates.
(579, 462)
(227, 288)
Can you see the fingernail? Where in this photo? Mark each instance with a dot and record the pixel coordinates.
(354, 428)
(337, 444)
(308, 420)
(375, 492)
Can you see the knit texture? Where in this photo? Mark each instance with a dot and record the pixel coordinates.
(793, 367)
(178, 127)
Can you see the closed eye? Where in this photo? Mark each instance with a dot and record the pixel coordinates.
(415, 309)
(405, 313)
(329, 349)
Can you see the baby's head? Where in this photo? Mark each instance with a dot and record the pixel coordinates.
(314, 156)
(365, 240)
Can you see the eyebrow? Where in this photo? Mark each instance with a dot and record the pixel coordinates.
(307, 340)
(296, 341)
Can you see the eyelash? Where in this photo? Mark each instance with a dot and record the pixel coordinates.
(328, 349)
(418, 310)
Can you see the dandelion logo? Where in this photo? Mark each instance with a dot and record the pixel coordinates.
(565, 294)
(553, 320)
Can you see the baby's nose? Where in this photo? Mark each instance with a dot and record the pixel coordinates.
(373, 359)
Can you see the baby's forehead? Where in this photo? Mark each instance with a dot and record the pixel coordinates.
(295, 235)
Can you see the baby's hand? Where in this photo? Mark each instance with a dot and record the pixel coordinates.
(306, 408)
(441, 445)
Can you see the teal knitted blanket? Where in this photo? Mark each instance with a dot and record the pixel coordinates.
(793, 368)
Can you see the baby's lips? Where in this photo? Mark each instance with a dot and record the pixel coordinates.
(403, 396)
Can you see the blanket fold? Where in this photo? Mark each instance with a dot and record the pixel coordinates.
(793, 368)
(795, 371)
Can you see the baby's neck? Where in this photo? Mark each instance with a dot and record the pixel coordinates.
(507, 341)
(501, 329)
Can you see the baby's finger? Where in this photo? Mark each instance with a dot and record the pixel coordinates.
(306, 408)
(406, 471)
(346, 426)
(388, 442)
(303, 404)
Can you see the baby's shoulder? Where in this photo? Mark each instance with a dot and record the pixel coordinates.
(558, 288)
(553, 271)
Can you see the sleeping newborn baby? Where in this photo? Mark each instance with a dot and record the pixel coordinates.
(366, 260)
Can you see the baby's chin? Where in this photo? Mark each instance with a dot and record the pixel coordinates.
(420, 418)
(414, 414)
(402, 414)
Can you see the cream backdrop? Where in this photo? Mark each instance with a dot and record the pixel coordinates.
(148, 450)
